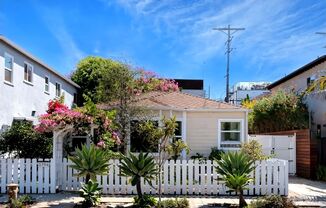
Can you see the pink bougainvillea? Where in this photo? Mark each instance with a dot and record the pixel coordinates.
(59, 116)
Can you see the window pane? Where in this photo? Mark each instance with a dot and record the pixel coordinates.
(8, 75)
(178, 130)
(30, 73)
(57, 89)
(230, 136)
(8, 62)
(230, 126)
(139, 141)
(25, 72)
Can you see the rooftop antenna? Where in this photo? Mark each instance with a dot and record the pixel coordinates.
(321, 33)
(229, 31)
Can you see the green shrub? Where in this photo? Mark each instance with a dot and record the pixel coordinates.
(215, 154)
(279, 112)
(16, 203)
(174, 203)
(254, 150)
(91, 192)
(321, 173)
(26, 199)
(22, 140)
(145, 201)
(271, 201)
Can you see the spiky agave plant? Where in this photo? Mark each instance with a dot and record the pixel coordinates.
(91, 192)
(89, 162)
(235, 169)
(137, 167)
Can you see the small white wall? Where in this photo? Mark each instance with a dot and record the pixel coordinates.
(20, 98)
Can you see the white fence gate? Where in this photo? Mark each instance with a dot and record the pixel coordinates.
(280, 146)
(186, 177)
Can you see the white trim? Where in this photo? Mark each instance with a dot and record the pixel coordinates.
(184, 131)
(12, 70)
(32, 71)
(242, 133)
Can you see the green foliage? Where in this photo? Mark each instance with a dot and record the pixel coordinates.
(274, 201)
(89, 162)
(26, 199)
(175, 149)
(174, 203)
(254, 150)
(91, 192)
(235, 169)
(137, 167)
(21, 202)
(321, 173)
(16, 203)
(279, 112)
(199, 157)
(146, 201)
(23, 141)
(215, 154)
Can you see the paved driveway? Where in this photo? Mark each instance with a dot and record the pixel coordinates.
(307, 192)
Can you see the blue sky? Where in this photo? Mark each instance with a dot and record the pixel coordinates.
(173, 38)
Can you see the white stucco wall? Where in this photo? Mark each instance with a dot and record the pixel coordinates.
(20, 98)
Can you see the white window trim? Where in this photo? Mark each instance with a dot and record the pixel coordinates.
(47, 92)
(26, 81)
(242, 132)
(12, 70)
(56, 89)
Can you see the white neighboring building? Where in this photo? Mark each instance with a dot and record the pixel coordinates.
(27, 85)
(243, 89)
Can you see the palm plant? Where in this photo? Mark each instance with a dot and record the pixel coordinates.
(235, 169)
(139, 167)
(89, 162)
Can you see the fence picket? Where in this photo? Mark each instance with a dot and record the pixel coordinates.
(177, 176)
(3, 175)
(28, 176)
(171, 178)
(263, 177)
(208, 181)
(215, 185)
(190, 177)
(269, 178)
(166, 177)
(196, 176)
(184, 177)
(21, 180)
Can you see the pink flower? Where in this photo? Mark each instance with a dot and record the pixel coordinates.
(101, 144)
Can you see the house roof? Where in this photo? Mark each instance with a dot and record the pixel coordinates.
(177, 101)
(27, 54)
(298, 71)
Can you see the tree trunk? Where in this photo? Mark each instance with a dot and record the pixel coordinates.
(242, 201)
(88, 177)
(139, 192)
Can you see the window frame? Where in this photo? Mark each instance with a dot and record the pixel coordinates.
(32, 71)
(11, 70)
(47, 91)
(219, 133)
(56, 89)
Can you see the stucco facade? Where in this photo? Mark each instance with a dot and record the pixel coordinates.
(24, 99)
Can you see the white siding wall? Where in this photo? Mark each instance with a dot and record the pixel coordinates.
(20, 99)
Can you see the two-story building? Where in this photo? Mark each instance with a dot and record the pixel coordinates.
(242, 90)
(299, 81)
(27, 84)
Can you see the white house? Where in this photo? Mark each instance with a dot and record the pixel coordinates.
(241, 90)
(27, 84)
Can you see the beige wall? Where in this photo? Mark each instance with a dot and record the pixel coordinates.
(299, 83)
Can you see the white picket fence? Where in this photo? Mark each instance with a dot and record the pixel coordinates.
(184, 177)
(32, 175)
(188, 177)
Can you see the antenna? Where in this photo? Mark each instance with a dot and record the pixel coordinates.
(321, 33)
(229, 32)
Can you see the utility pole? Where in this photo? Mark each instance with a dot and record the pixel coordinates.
(321, 33)
(229, 31)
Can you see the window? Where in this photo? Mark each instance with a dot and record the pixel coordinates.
(9, 66)
(28, 72)
(178, 131)
(57, 89)
(139, 141)
(46, 84)
(230, 131)
(75, 98)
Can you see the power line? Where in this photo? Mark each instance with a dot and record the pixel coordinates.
(321, 33)
(229, 31)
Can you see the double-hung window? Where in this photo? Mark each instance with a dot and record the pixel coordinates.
(9, 67)
(178, 131)
(46, 84)
(28, 72)
(230, 132)
(57, 89)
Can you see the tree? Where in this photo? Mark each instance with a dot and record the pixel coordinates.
(137, 168)
(89, 162)
(23, 141)
(175, 149)
(235, 169)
